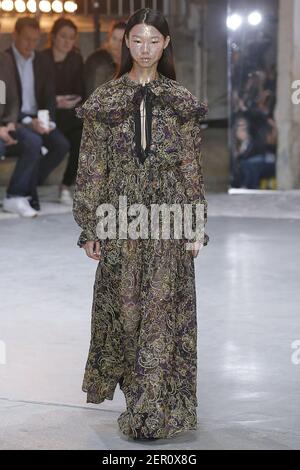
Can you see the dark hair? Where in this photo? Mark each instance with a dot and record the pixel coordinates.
(26, 22)
(118, 25)
(62, 23)
(152, 18)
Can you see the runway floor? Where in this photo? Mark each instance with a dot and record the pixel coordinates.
(248, 301)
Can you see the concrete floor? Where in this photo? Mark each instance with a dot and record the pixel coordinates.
(248, 317)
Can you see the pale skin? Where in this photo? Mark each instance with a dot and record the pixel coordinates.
(26, 42)
(146, 45)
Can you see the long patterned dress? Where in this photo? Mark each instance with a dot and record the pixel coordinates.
(144, 321)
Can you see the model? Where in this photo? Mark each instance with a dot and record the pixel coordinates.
(141, 140)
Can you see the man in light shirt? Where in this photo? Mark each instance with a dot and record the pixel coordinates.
(36, 91)
(14, 138)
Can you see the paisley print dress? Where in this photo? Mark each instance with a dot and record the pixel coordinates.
(144, 319)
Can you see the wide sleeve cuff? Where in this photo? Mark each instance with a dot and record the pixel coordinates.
(86, 236)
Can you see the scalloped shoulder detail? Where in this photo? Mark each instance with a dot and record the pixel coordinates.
(114, 100)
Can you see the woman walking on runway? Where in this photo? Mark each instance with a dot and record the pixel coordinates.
(141, 139)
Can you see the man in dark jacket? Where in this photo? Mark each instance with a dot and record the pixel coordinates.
(14, 140)
(8, 105)
(35, 92)
(8, 95)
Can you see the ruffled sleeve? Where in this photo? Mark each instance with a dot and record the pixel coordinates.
(91, 181)
(191, 168)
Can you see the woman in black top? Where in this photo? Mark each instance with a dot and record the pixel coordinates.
(67, 67)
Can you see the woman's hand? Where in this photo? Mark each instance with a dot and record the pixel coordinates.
(67, 101)
(92, 250)
(196, 248)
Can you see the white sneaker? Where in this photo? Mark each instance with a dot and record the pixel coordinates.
(66, 197)
(19, 205)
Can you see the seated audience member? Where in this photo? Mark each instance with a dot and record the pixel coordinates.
(35, 93)
(67, 69)
(252, 155)
(15, 141)
(8, 104)
(101, 65)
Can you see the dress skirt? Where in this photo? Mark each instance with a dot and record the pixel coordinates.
(144, 336)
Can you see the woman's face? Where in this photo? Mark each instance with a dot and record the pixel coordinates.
(115, 44)
(65, 39)
(146, 45)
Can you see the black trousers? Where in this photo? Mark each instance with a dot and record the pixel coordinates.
(71, 127)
